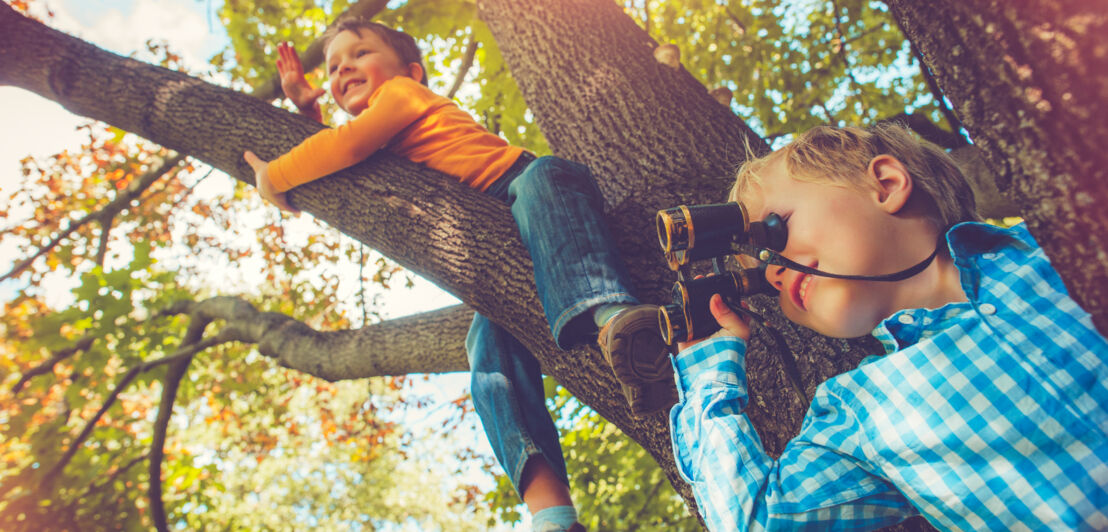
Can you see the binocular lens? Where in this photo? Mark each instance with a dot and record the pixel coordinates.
(671, 321)
(674, 232)
(704, 231)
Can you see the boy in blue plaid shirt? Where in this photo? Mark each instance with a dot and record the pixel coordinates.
(989, 408)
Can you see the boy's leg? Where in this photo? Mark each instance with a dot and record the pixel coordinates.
(559, 210)
(508, 396)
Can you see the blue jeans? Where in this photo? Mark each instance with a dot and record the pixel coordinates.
(559, 211)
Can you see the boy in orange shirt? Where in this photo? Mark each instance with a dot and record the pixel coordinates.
(376, 75)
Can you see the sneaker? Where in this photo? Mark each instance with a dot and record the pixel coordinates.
(633, 347)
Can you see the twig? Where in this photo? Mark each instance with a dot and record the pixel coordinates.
(115, 206)
(361, 284)
(841, 52)
(937, 94)
(930, 131)
(190, 190)
(119, 471)
(105, 234)
(184, 352)
(467, 63)
(46, 367)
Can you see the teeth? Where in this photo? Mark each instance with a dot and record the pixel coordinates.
(804, 286)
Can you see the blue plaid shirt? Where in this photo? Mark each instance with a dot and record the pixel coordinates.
(982, 415)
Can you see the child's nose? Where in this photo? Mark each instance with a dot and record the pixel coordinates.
(776, 276)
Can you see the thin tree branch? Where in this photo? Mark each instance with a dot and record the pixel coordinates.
(929, 130)
(361, 284)
(80, 345)
(92, 487)
(841, 52)
(183, 353)
(114, 207)
(937, 93)
(170, 385)
(105, 235)
(190, 190)
(467, 63)
(736, 23)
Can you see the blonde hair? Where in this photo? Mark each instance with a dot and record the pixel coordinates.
(841, 156)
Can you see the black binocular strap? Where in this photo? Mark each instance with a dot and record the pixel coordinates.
(772, 258)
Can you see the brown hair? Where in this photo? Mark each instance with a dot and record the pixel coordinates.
(403, 44)
(837, 155)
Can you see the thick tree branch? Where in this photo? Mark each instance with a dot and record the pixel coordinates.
(431, 342)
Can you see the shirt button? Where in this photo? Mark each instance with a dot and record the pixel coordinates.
(988, 256)
(987, 309)
(906, 319)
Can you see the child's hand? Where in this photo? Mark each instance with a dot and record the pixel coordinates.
(265, 186)
(296, 87)
(732, 324)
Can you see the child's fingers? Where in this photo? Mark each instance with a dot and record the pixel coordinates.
(254, 161)
(731, 322)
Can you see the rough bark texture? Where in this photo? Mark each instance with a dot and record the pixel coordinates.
(1028, 80)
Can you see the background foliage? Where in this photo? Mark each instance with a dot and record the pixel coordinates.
(253, 446)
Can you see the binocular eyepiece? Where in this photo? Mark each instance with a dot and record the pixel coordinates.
(691, 233)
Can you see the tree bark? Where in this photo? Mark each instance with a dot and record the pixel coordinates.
(1027, 79)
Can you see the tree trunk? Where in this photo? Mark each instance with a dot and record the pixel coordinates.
(1029, 80)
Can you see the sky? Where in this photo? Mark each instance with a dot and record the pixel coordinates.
(192, 30)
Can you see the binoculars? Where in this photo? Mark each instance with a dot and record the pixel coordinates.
(693, 233)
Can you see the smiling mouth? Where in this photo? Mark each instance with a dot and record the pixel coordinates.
(799, 292)
(351, 83)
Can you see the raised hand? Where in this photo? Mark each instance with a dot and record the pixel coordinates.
(265, 186)
(296, 87)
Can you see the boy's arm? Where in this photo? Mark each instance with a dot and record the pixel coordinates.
(295, 85)
(392, 108)
(819, 480)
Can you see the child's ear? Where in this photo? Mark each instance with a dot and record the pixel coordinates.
(894, 185)
(415, 71)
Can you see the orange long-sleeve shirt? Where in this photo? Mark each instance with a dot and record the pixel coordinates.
(409, 120)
